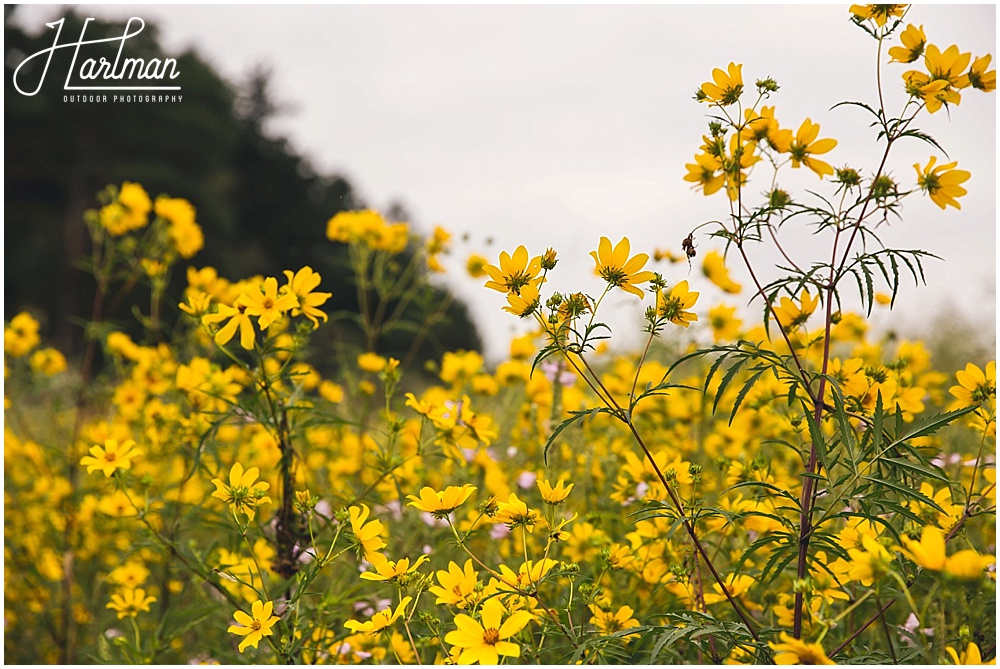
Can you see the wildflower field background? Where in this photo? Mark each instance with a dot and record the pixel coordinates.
(766, 479)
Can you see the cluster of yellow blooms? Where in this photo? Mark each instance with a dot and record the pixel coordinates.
(20, 338)
(369, 228)
(130, 212)
(492, 608)
(723, 163)
(260, 298)
(946, 74)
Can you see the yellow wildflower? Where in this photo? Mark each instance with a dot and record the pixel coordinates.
(970, 656)
(48, 361)
(726, 85)
(705, 173)
(263, 301)
(129, 212)
(238, 318)
(387, 570)
(515, 271)
(130, 602)
(790, 315)
(968, 564)
(111, 457)
(243, 493)
(940, 85)
(796, 651)
(371, 362)
(21, 335)
(609, 623)
(914, 40)
(805, 145)
(380, 621)
(870, 564)
(515, 513)
(673, 305)
(524, 303)
(458, 585)
(553, 495)
(620, 271)
(440, 504)
(255, 626)
(302, 284)
(975, 385)
(714, 267)
(368, 534)
(978, 77)
(725, 324)
(485, 642)
(878, 13)
(476, 266)
(941, 183)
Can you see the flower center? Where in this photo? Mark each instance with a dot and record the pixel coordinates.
(931, 183)
(517, 280)
(983, 392)
(491, 636)
(671, 308)
(614, 275)
(255, 625)
(809, 656)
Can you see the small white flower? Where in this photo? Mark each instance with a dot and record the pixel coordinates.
(526, 480)
(499, 531)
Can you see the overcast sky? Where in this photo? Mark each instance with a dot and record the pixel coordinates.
(554, 125)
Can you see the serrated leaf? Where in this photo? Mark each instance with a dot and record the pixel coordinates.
(726, 380)
(744, 391)
(918, 468)
(847, 433)
(576, 416)
(713, 369)
(926, 426)
(906, 492)
(917, 134)
(816, 438)
(903, 511)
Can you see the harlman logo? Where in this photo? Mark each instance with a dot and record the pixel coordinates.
(102, 80)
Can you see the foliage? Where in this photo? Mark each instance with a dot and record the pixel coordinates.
(260, 201)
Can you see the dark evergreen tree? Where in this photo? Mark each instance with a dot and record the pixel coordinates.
(262, 206)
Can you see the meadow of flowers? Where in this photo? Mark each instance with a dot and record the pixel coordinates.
(799, 491)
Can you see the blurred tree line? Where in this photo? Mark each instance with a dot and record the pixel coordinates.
(262, 206)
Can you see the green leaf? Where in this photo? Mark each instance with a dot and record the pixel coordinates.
(878, 420)
(924, 137)
(816, 439)
(869, 288)
(743, 393)
(840, 413)
(576, 416)
(905, 492)
(919, 468)
(767, 486)
(926, 426)
(903, 511)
